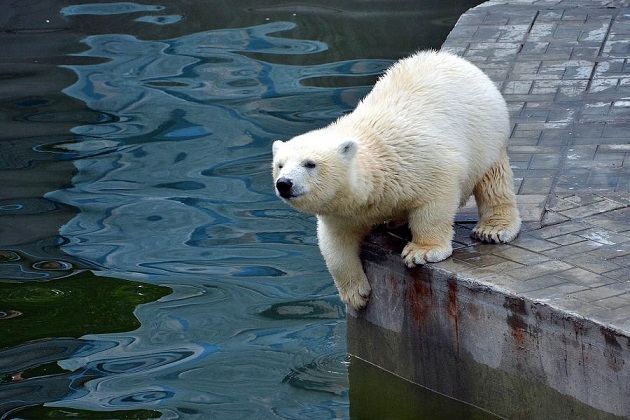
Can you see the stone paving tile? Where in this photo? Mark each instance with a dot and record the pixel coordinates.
(483, 260)
(583, 309)
(531, 206)
(590, 209)
(592, 263)
(615, 302)
(532, 243)
(572, 250)
(457, 266)
(606, 237)
(551, 218)
(615, 319)
(567, 239)
(621, 261)
(566, 202)
(503, 267)
(510, 284)
(619, 274)
(552, 231)
(520, 255)
(594, 294)
(541, 283)
(538, 270)
(564, 68)
(611, 252)
(556, 290)
(585, 277)
(535, 185)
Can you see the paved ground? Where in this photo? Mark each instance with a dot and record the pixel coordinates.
(564, 69)
(538, 328)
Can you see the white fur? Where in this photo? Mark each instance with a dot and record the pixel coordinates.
(432, 132)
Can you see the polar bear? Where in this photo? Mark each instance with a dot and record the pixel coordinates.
(431, 133)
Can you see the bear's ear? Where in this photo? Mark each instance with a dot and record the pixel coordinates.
(348, 149)
(276, 146)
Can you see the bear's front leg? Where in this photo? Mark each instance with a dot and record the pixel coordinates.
(340, 246)
(432, 232)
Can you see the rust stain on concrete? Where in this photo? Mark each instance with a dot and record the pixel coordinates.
(453, 307)
(421, 299)
(516, 305)
(452, 299)
(613, 350)
(518, 326)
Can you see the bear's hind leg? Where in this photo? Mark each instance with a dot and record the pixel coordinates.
(499, 221)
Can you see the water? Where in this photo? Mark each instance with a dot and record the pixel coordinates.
(147, 267)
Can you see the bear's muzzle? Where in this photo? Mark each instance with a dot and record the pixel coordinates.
(284, 186)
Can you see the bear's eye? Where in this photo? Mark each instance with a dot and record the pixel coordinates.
(280, 165)
(309, 164)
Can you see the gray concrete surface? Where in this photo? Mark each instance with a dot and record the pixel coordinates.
(551, 309)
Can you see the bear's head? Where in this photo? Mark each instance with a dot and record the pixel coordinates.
(313, 173)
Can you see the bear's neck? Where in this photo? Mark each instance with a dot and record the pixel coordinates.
(365, 188)
(362, 192)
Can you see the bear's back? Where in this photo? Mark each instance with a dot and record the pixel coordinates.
(435, 111)
(437, 93)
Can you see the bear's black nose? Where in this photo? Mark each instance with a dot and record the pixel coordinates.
(284, 187)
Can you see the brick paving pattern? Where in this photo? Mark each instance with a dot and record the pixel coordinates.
(564, 69)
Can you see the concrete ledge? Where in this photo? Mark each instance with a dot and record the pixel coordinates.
(540, 327)
(481, 344)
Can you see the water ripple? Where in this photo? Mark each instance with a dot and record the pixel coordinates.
(108, 9)
(176, 189)
(306, 309)
(142, 397)
(326, 373)
(149, 363)
(160, 20)
(198, 69)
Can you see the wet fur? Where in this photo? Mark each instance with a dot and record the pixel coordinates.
(431, 133)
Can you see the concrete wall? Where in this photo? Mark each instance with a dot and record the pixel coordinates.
(474, 342)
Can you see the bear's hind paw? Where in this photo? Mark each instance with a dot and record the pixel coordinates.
(499, 233)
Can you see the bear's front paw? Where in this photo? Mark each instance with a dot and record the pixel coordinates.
(415, 254)
(356, 296)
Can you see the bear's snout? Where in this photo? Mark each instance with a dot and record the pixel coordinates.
(284, 185)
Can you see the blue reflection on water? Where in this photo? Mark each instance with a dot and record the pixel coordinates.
(108, 9)
(174, 187)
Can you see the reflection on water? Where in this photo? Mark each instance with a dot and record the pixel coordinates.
(170, 165)
(183, 168)
(173, 188)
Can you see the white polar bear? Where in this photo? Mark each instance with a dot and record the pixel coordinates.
(431, 133)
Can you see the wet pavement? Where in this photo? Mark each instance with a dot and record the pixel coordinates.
(540, 327)
(564, 69)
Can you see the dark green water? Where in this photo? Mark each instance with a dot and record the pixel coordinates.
(146, 267)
